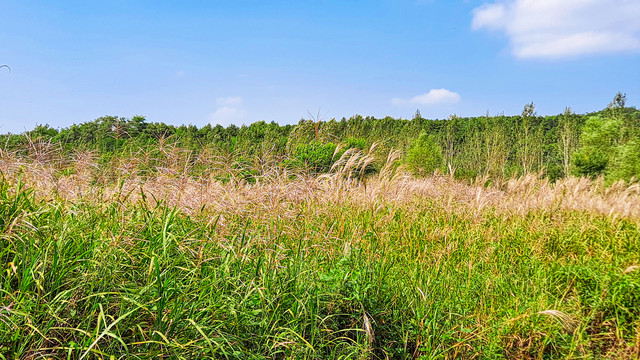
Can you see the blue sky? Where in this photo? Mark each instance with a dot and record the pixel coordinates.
(199, 62)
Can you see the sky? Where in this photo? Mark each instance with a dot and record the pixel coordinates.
(237, 62)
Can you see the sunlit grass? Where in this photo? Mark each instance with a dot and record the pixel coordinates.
(339, 266)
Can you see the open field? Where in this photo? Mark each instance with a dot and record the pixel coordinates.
(105, 261)
(350, 180)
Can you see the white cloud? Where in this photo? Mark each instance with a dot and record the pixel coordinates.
(562, 28)
(229, 111)
(490, 16)
(229, 101)
(433, 97)
(227, 115)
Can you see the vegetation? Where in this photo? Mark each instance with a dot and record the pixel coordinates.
(424, 156)
(139, 240)
(598, 144)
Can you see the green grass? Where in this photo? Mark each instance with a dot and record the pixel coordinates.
(122, 280)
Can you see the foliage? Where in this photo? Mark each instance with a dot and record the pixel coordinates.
(602, 143)
(598, 141)
(609, 146)
(424, 155)
(314, 156)
(121, 238)
(126, 274)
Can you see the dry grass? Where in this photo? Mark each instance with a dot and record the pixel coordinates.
(172, 180)
(569, 324)
(293, 265)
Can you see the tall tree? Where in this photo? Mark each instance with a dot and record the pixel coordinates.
(568, 138)
(524, 137)
(495, 146)
(449, 143)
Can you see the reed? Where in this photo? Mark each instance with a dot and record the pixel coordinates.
(165, 254)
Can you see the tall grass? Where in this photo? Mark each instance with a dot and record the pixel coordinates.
(165, 256)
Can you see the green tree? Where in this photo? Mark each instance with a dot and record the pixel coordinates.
(449, 141)
(626, 163)
(424, 155)
(567, 138)
(495, 146)
(529, 141)
(598, 144)
(313, 157)
(619, 101)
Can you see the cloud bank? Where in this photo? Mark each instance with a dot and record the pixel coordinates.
(433, 97)
(563, 28)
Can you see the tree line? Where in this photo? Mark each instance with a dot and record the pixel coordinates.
(605, 143)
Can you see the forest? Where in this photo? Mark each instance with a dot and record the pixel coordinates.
(604, 143)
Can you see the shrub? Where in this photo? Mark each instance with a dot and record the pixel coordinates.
(424, 155)
(314, 157)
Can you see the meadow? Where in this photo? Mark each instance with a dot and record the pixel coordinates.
(172, 256)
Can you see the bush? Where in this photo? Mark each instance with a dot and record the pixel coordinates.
(314, 157)
(598, 144)
(424, 155)
(357, 143)
(589, 162)
(627, 162)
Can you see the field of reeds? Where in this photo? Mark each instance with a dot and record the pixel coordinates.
(169, 255)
